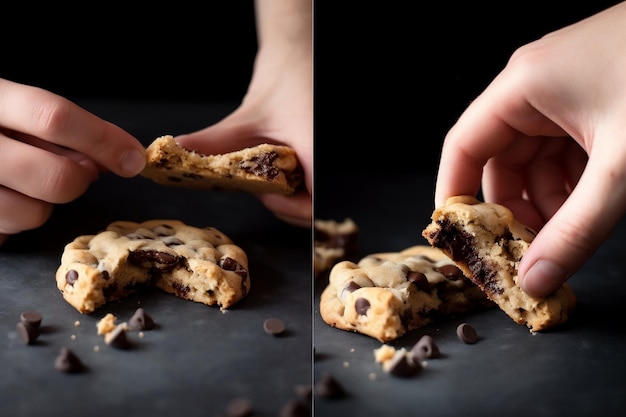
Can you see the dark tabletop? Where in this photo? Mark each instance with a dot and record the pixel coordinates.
(198, 358)
(575, 370)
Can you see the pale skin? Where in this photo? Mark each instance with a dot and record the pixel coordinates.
(547, 139)
(51, 149)
(278, 105)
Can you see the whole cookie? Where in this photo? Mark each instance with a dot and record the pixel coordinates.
(488, 243)
(198, 264)
(386, 295)
(264, 168)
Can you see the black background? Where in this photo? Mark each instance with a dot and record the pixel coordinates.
(390, 77)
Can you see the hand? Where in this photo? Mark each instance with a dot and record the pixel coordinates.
(278, 106)
(50, 151)
(547, 138)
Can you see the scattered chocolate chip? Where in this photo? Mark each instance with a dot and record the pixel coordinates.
(31, 318)
(328, 387)
(68, 362)
(141, 320)
(361, 305)
(239, 407)
(294, 408)
(402, 364)
(425, 348)
(466, 333)
(274, 326)
(117, 337)
(27, 334)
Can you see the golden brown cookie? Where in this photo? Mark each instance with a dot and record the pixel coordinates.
(263, 168)
(488, 243)
(198, 264)
(386, 295)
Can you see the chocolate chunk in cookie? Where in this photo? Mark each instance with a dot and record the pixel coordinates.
(198, 264)
(488, 243)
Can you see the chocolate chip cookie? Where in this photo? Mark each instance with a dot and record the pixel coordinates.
(488, 243)
(385, 295)
(198, 264)
(333, 241)
(264, 168)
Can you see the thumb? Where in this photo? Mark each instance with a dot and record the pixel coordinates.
(576, 230)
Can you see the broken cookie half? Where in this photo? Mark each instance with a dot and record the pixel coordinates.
(193, 263)
(265, 168)
(488, 243)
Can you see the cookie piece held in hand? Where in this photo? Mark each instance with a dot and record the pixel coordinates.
(264, 168)
(198, 264)
(488, 243)
(386, 295)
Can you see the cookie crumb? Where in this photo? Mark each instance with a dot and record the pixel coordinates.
(76, 323)
(106, 324)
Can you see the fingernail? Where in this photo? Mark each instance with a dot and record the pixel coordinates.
(543, 278)
(133, 162)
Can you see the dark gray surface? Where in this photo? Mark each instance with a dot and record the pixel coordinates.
(575, 370)
(198, 358)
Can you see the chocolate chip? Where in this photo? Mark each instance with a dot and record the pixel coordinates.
(419, 279)
(153, 258)
(71, 277)
(141, 320)
(328, 387)
(466, 333)
(229, 264)
(352, 286)
(163, 230)
(262, 165)
(239, 407)
(67, 361)
(425, 348)
(31, 318)
(117, 337)
(294, 408)
(361, 305)
(402, 364)
(26, 333)
(452, 272)
(274, 326)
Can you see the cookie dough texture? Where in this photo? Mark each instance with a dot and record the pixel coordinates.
(385, 295)
(197, 264)
(264, 168)
(488, 243)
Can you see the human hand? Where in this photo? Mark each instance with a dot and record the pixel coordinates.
(50, 151)
(546, 138)
(278, 105)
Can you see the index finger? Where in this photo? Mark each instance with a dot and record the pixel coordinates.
(48, 116)
(478, 135)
